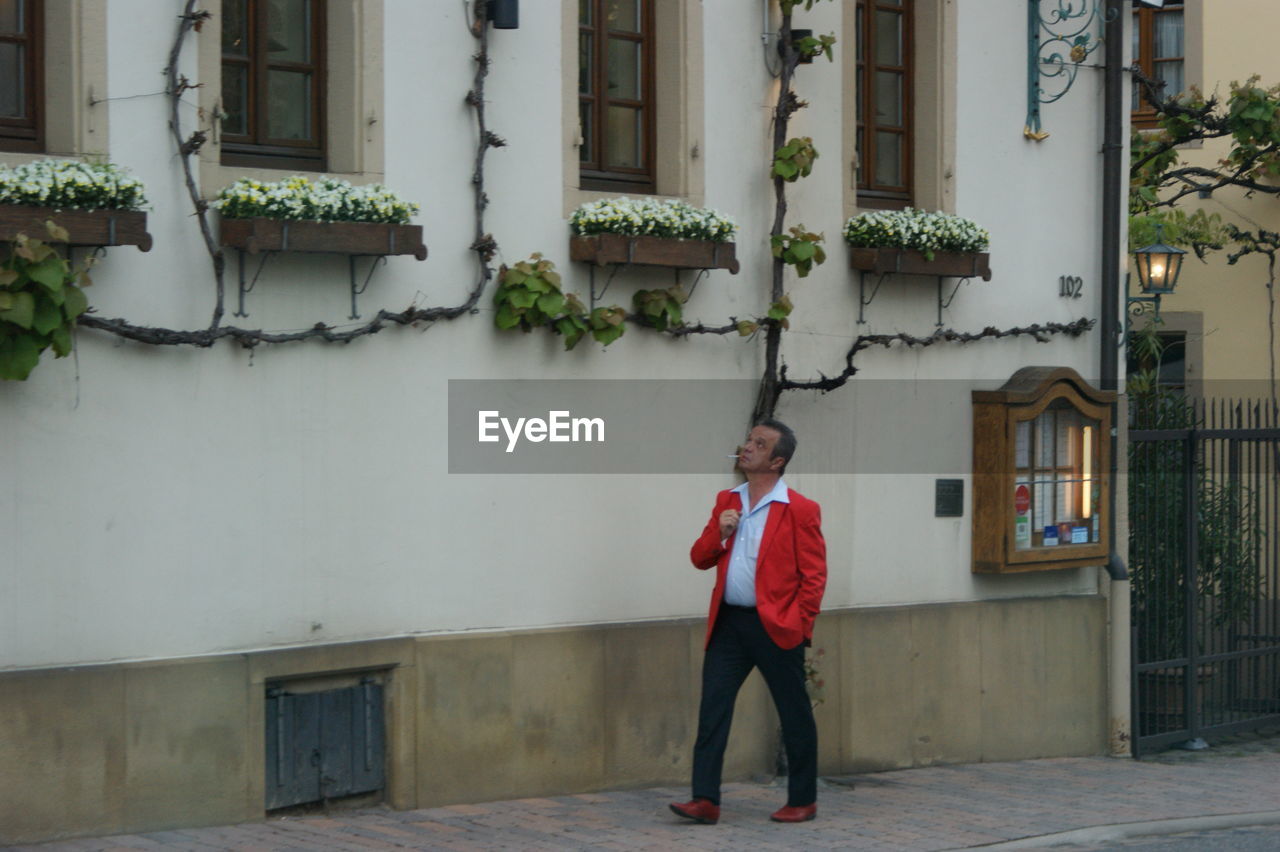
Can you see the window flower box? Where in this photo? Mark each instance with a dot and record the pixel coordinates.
(650, 232)
(604, 249)
(326, 215)
(84, 227)
(915, 242)
(948, 264)
(97, 204)
(261, 234)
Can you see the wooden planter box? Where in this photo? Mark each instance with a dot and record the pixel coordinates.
(85, 227)
(602, 249)
(360, 238)
(948, 264)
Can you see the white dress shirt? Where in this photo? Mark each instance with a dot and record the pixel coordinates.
(740, 584)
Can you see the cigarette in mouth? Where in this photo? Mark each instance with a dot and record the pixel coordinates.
(731, 457)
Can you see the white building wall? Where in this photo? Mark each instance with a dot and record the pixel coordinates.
(160, 502)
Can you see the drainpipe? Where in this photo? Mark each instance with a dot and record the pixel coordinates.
(1120, 683)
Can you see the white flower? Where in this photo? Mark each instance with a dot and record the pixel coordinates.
(916, 229)
(665, 218)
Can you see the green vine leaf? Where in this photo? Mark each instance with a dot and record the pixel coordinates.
(746, 328)
(50, 272)
(800, 248)
(38, 306)
(794, 160)
(608, 324)
(822, 45)
(46, 317)
(22, 312)
(18, 357)
(661, 308)
(75, 302)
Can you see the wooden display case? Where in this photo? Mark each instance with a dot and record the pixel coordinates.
(1041, 473)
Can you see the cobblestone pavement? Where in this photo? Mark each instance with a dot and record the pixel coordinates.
(932, 808)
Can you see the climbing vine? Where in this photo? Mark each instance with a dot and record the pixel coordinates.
(519, 302)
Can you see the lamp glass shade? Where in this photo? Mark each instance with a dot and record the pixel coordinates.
(1158, 267)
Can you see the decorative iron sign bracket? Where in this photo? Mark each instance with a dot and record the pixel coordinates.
(1060, 38)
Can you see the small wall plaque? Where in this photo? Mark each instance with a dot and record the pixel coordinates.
(948, 498)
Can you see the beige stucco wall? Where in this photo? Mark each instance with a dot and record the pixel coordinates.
(134, 747)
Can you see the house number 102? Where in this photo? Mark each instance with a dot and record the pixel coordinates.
(1070, 286)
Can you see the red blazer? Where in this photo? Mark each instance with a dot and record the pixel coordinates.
(791, 568)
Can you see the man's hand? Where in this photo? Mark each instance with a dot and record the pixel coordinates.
(729, 522)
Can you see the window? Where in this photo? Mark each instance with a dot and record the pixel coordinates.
(885, 133)
(21, 77)
(1159, 53)
(1170, 369)
(273, 83)
(616, 106)
(1055, 482)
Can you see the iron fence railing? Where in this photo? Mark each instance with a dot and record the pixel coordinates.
(1204, 555)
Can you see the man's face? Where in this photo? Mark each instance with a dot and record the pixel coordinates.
(756, 455)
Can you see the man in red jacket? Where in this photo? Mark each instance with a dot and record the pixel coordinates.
(765, 541)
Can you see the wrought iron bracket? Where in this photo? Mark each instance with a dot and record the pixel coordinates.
(246, 285)
(591, 278)
(243, 288)
(1136, 306)
(596, 296)
(378, 260)
(941, 304)
(1060, 39)
(864, 300)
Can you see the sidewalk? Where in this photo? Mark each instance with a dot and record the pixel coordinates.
(933, 808)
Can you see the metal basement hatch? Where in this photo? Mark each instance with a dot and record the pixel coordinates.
(324, 745)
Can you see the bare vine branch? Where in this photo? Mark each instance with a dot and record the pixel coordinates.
(483, 244)
(1041, 332)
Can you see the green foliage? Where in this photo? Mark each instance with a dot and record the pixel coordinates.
(780, 310)
(607, 324)
(814, 46)
(1200, 230)
(39, 304)
(661, 308)
(795, 159)
(789, 5)
(1229, 531)
(801, 249)
(529, 297)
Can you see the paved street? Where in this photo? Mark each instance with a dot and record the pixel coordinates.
(933, 808)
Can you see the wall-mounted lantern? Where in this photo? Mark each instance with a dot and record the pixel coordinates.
(1158, 267)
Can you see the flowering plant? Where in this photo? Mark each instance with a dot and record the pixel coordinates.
(71, 185)
(325, 200)
(648, 217)
(916, 229)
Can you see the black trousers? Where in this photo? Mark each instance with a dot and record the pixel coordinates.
(739, 643)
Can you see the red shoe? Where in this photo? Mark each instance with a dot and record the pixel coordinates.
(794, 814)
(699, 810)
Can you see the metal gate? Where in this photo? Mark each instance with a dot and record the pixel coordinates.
(1204, 554)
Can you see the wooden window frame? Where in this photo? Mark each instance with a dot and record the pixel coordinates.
(593, 174)
(1144, 22)
(871, 194)
(256, 149)
(27, 134)
(996, 476)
